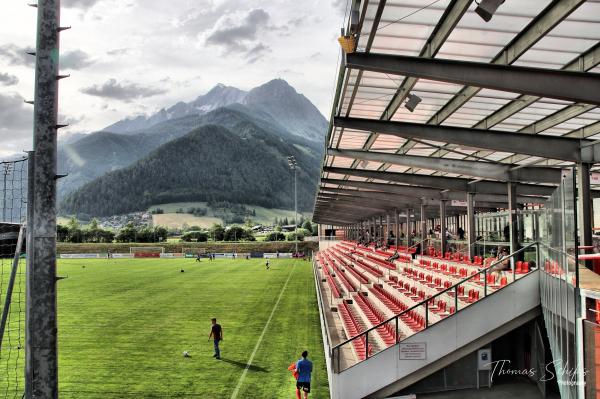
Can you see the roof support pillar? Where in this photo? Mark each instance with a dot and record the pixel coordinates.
(513, 226)
(387, 230)
(443, 226)
(397, 218)
(471, 234)
(423, 229)
(408, 232)
(584, 200)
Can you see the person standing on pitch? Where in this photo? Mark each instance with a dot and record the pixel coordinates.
(304, 369)
(267, 264)
(216, 332)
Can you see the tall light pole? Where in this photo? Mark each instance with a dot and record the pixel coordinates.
(294, 165)
(7, 169)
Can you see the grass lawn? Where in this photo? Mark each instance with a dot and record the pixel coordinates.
(123, 325)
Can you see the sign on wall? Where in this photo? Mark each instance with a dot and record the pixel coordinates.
(413, 351)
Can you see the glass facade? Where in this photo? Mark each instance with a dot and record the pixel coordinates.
(557, 238)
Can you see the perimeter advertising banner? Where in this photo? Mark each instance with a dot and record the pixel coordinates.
(121, 256)
(83, 256)
(146, 255)
(171, 255)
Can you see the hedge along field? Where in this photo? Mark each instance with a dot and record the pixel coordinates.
(124, 324)
(283, 246)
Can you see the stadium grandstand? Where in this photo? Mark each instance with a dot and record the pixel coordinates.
(456, 201)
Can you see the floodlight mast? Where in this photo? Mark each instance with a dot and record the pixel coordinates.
(293, 166)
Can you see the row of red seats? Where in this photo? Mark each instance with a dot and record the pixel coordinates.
(392, 303)
(371, 269)
(375, 317)
(380, 262)
(356, 273)
(353, 328)
(334, 287)
(342, 276)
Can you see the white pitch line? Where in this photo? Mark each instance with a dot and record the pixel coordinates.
(249, 364)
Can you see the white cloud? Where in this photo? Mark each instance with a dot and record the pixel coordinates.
(139, 43)
(125, 91)
(8, 79)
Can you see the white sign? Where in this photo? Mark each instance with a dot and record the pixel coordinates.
(82, 256)
(121, 255)
(171, 255)
(484, 359)
(273, 255)
(595, 178)
(414, 351)
(458, 203)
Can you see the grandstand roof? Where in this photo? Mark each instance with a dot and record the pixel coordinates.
(513, 99)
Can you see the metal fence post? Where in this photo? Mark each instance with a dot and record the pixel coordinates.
(41, 365)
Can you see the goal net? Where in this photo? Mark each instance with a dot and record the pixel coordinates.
(146, 250)
(12, 310)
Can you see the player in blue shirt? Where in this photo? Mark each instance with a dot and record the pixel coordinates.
(304, 368)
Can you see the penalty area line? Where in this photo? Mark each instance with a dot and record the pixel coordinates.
(249, 364)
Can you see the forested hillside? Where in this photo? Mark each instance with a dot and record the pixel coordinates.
(211, 163)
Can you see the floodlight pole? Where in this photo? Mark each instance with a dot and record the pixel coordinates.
(41, 362)
(296, 209)
(294, 165)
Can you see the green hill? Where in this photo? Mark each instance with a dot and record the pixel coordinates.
(246, 164)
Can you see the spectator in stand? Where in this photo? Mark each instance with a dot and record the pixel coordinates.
(461, 233)
(395, 256)
(503, 264)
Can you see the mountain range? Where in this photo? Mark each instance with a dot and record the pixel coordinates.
(228, 145)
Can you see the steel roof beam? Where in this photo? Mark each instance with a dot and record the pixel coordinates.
(424, 189)
(584, 62)
(443, 182)
(566, 85)
(486, 199)
(414, 206)
(488, 170)
(452, 15)
(551, 16)
(564, 148)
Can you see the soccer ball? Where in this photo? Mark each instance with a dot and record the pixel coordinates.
(186, 354)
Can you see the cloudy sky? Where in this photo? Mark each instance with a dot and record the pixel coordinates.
(130, 57)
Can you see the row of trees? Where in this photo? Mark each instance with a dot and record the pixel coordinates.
(73, 232)
(219, 233)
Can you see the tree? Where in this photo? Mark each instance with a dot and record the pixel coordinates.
(161, 233)
(93, 224)
(307, 225)
(62, 233)
(235, 233)
(275, 236)
(286, 221)
(293, 236)
(217, 232)
(127, 234)
(199, 236)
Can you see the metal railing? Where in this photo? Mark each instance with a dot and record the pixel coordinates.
(426, 306)
(320, 300)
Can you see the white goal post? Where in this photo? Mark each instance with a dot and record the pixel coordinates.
(147, 250)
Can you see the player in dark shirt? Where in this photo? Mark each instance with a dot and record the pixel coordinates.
(216, 332)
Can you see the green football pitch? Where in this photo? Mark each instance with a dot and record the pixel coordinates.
(125, 323)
